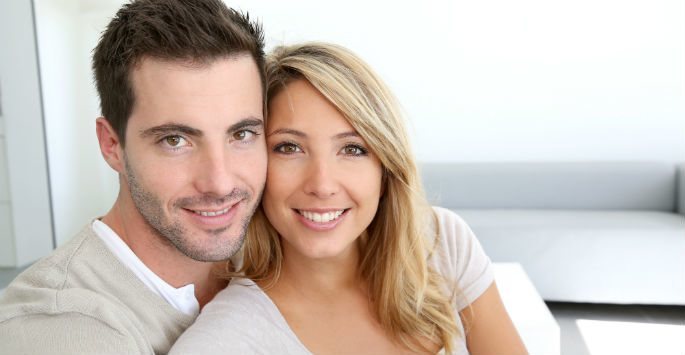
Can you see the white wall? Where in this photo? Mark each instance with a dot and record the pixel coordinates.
(507, 80)
(83, 187)
(25, 221)
(490, 80)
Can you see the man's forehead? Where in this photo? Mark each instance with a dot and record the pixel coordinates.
(189, 63)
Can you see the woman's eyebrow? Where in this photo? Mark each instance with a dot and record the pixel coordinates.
(346, 135)
(291, 131)
(295, 132)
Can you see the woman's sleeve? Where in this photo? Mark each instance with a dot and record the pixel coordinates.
(463, 257)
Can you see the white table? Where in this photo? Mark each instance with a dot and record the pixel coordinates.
(533, 320)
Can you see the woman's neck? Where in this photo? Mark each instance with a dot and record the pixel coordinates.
(320, 277)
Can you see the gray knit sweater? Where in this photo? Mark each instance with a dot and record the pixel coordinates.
(82, 300)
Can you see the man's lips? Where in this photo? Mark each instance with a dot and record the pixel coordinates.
(212, 210)
(214, 216)
(210, 213)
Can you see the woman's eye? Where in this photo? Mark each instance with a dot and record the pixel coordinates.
(287, 148)
(243, 135)
(354, 150)
(175, 141)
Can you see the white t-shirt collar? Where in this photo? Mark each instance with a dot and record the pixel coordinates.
(182, 299)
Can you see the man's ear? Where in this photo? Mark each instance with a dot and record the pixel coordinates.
(110, 145)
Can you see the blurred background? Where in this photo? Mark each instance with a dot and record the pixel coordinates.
(497, 80)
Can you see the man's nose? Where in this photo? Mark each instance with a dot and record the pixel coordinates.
(213, 173)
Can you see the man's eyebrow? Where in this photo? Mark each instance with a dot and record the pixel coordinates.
(245, 123)
(294, 132)
(170, 128)
(190, 131)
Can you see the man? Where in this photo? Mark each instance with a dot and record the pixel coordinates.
(181, 85)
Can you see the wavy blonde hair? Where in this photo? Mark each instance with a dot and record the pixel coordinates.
(408, 297)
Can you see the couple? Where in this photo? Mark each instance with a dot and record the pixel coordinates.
(333, 248)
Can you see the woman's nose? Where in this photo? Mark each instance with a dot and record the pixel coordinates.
(321, 179)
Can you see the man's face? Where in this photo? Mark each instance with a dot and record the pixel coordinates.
(195, 156)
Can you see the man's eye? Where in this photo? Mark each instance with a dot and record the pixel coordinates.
(287, 148)
(175, 141)
(353, 150)
(243, 135)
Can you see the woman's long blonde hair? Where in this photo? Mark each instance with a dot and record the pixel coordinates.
(408, 297)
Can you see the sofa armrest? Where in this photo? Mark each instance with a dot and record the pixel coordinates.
(681, 189)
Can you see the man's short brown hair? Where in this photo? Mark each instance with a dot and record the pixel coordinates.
(196, 31)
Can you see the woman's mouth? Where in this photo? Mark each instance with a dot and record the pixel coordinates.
(321, 217)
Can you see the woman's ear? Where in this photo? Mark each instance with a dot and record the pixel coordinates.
(110, 145)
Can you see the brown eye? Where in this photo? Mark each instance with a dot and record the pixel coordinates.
(174, 141)
(243, 135)
(353, 150)
(287, 148)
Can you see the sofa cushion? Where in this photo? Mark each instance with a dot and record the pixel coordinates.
(572, 220)
(590, 256)
(581, 185)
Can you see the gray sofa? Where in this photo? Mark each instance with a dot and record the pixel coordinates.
(599, 232)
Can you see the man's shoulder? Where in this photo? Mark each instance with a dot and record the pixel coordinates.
(85, 300)
(61, 269)
(72, 279)
(25, 301)
(68, 320)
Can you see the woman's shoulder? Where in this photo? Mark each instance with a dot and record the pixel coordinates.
(239, 294)
(447, 215)
(451, 228)
(241, 318)
(459, 256)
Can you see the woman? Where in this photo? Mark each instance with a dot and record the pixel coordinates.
(345, 255)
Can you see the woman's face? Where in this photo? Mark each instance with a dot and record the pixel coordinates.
(323, 183)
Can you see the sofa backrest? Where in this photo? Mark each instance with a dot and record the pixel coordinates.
(570, 185)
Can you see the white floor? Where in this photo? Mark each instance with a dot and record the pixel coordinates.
(598, 329)
(536, 325)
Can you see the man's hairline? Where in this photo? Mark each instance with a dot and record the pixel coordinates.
(190, 62)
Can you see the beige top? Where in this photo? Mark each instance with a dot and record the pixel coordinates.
(82, 300)
(242, 319)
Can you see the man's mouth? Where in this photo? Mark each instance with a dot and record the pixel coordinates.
(209, 213)
(324, 217)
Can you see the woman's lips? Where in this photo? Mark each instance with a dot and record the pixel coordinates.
(321, 219)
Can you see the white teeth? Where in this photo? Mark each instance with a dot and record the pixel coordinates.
(321, 217)
(212, 213)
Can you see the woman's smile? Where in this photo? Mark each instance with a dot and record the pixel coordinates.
(322, 220)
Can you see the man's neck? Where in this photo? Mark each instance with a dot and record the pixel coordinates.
(159, 255)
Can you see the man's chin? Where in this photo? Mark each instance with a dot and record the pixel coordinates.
(219, 245)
